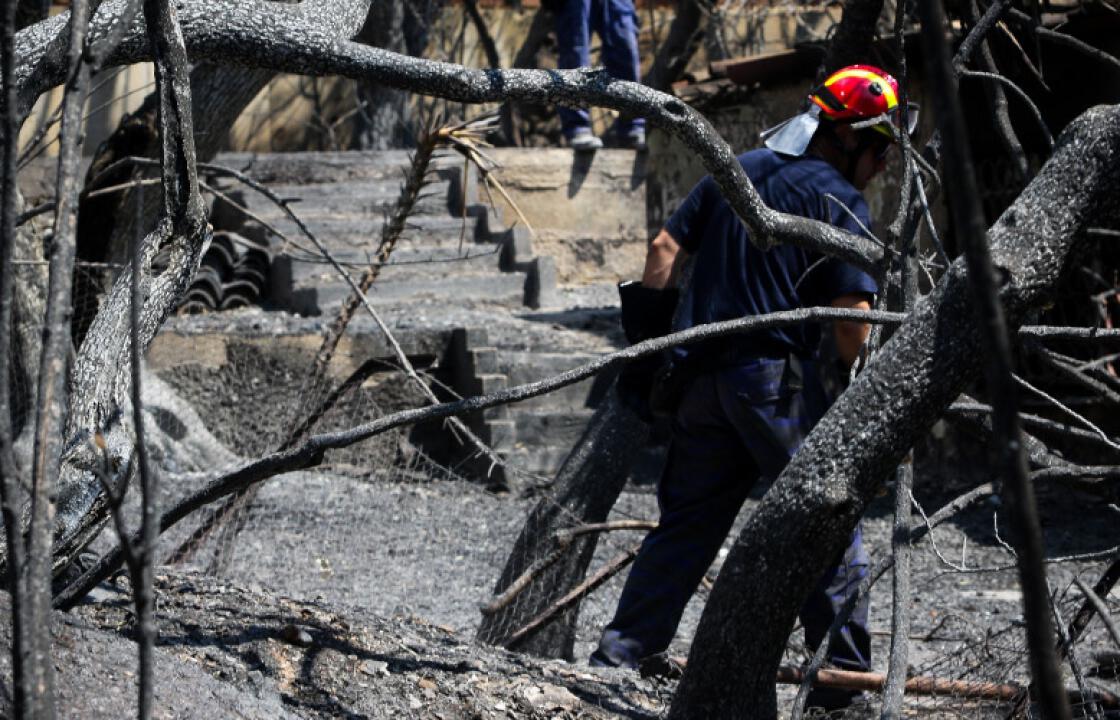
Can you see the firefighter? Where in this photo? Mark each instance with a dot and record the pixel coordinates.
(742, 405)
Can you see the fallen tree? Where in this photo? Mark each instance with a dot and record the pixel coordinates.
(808, 515)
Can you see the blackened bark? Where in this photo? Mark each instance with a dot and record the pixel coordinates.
(52, 398)
(586, 488)
(682, 42)
(854, 34)
(382, 122)
(182, 207)
(985, 281)
(29, 12)
(807, 517)
(10, 479)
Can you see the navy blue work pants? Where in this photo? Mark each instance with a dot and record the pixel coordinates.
(733, 426)
(616, 24)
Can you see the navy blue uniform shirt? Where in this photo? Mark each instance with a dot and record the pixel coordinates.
(731, 278)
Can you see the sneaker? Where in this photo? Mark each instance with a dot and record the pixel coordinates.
(634, 140)
(615, 651)
(583, 140)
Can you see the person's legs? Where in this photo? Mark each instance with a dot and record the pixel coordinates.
(573, 41)
(617, 26)
(850, 647)
(706, 479)
(775, 405)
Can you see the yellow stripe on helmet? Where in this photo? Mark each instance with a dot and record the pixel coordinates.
(888, 91)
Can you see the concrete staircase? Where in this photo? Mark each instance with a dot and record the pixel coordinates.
(457, 262)
(452, 246)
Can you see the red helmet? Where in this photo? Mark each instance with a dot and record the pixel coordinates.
(863, 92)
(860, 95)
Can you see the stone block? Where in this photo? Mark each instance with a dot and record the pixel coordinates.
(518, 248)
(484, 361)
(540, 284)
(501, 435)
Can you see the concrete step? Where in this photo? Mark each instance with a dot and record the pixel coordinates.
(559, 429)
(363, 233)
(405, 263)
(355, 199)
(315, 299)
(543, 460)
(528, 366)
(326, 167)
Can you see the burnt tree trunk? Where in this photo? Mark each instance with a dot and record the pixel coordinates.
(586, 488)
(685, 36)
(385, 117)
(808, 515)
(854, 34)
(106, 223)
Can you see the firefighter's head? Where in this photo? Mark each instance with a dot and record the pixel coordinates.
(855, 112)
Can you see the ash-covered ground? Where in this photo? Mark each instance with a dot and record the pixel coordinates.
(351, 598)
(349, 595)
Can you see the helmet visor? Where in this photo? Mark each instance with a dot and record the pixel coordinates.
(793, 136)
(893, 122)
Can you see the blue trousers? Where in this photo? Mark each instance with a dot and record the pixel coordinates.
(615, 22)
(733, 426)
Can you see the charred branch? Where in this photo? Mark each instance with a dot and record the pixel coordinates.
(261, 35)
(310, 451)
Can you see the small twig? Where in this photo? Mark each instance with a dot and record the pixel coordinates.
(1100, 608)
(1022, 96)
(575, 594)
(502, 601)
(1092, 707)
(1066, 410)
(895, 683)
(563, 539)
(1035, 422)
(566, 535)
(42, 209)
(1002, 543)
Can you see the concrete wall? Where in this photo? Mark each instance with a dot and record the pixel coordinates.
(587, 211)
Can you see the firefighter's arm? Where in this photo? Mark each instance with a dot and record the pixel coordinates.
(663, 256)
(648, 306)
(850, 336)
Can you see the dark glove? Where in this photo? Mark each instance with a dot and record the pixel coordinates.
(646, 313)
